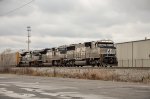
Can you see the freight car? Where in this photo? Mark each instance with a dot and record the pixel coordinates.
(9, 58)
(95, 53)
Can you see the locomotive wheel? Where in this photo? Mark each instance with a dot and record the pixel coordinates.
(55, 63)
(105, 65)
(97, 63)
(70, 63)
(67, 64)
(94, 63)
(101, 64)
(58, 63)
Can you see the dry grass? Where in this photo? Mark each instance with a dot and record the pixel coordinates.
(93, 74)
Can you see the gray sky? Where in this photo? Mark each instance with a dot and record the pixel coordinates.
(59, 22)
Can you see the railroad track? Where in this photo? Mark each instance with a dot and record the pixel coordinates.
(86, 67)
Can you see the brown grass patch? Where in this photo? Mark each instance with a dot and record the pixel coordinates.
(93, 74)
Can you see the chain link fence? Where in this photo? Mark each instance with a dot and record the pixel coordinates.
(134, 63)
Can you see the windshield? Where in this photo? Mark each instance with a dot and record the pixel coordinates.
(105, 45)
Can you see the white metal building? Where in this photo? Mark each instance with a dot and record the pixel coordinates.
(134, 53)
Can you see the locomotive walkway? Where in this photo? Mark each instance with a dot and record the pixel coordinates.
(32, 87)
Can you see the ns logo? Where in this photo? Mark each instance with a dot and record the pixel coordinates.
(109, 51)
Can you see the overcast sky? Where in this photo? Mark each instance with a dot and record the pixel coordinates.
(59, 22)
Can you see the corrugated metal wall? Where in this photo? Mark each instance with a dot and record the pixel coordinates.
(134, 54)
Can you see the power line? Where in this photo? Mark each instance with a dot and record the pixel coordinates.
(11, 11)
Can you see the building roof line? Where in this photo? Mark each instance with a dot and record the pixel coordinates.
(133, 41)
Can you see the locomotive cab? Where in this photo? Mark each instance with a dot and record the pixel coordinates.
(108, 52)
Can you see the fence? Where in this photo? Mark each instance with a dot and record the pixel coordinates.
(134, 63)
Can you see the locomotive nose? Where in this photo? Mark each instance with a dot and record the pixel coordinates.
(109, 60)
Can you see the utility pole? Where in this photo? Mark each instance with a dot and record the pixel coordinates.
(28, 41)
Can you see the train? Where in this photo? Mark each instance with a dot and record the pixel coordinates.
(95, 53)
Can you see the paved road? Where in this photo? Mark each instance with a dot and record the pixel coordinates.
(30, 87)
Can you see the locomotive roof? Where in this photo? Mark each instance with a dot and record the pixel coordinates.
(105, 41)
(44, 51)
(23, 53)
